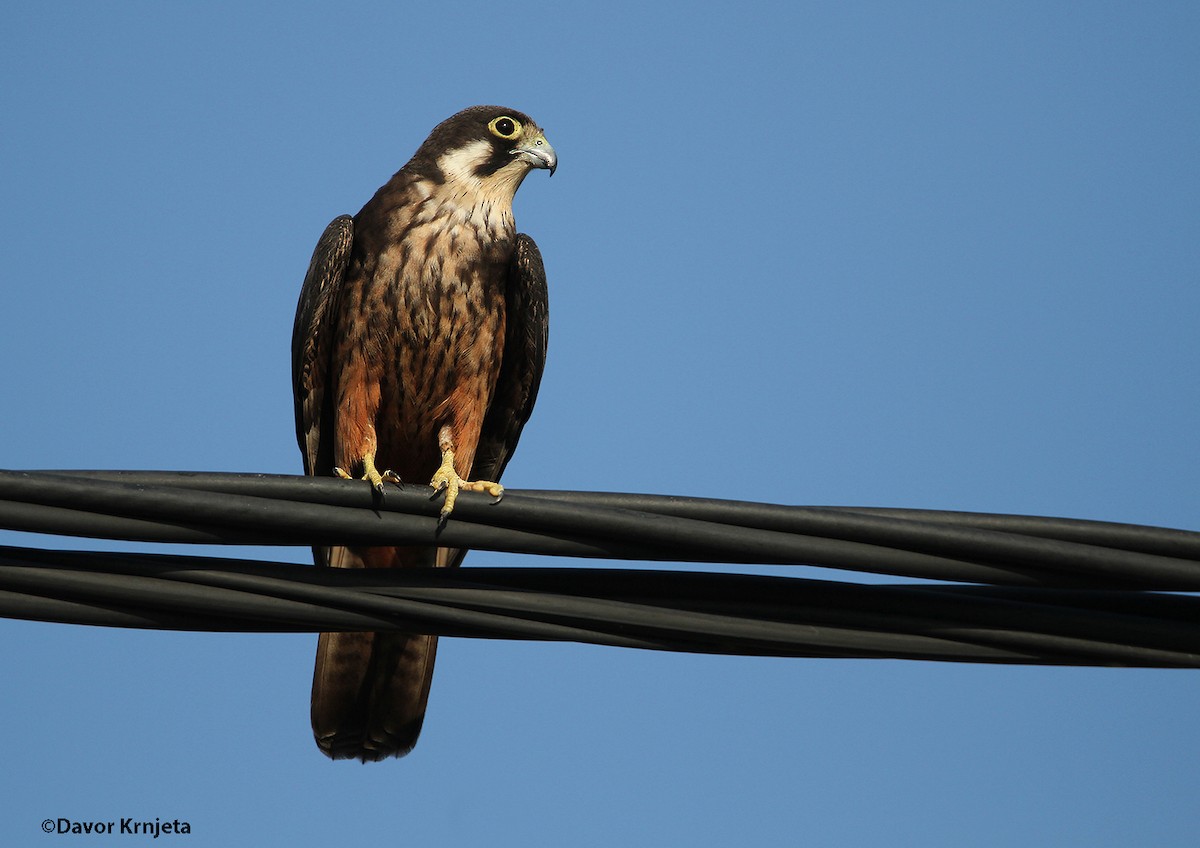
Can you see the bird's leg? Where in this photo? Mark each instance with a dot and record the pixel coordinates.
(446, 479)
(371, 475)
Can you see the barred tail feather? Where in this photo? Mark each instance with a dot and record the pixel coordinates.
(370, 689)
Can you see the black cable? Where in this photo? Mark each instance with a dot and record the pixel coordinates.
(273, 509)
(682, 611)
(1050, 590)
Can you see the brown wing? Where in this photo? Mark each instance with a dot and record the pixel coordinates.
(527, 327)
(525, 338)
(312, 344)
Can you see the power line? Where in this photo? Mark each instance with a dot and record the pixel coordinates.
(1046, 590)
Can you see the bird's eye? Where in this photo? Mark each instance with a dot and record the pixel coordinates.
(505, 127)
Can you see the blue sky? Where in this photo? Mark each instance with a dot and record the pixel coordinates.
(935, 255)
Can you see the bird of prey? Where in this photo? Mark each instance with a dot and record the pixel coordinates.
(417, 351)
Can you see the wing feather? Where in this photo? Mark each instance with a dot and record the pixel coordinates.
(526, 334)
(525, 340)
(312, 344)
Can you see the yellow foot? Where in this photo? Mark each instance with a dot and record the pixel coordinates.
(446, 479)
(371, 475)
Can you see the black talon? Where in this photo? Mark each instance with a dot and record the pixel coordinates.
(438, 489)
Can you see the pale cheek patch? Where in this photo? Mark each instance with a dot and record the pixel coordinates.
(459, 165)
(466, 199)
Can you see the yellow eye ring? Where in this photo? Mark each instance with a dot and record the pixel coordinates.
(505, 127)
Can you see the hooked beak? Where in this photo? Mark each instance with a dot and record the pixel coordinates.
(538, 153)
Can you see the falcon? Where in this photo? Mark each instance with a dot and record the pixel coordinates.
(417, 351)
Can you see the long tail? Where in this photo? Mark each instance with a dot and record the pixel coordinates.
(370, 689)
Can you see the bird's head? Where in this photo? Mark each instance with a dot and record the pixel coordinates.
(487, 148)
